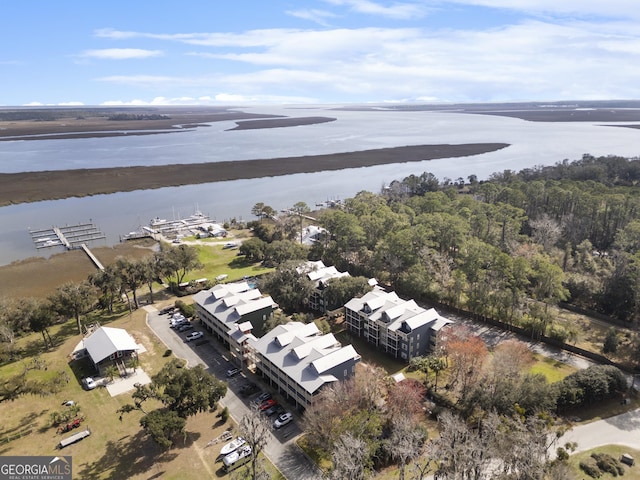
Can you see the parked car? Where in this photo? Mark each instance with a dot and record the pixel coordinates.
(232, 372)
(248, 389)
(194, 336)
(262, 397)
(89, 383)
(177, 322)
(187, 326)
(274, 410)
(267, 404)
(282, 420)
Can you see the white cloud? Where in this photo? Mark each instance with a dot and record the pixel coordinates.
(71, 104)
(581, 8)
(120, 53)
(115, 34)
(320, 17)
(397, 10)
(525, 61)
(218, 99)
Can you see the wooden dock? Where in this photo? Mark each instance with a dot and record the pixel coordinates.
(71, 237)
(93, 258)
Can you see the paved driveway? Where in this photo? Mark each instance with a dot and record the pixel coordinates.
(623, 429)
(281, 448)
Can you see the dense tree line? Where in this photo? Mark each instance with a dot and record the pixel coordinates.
(508, 247)
(139, 116)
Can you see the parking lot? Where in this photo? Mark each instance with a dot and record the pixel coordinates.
(281, 448)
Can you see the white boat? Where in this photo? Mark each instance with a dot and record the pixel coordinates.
(232, 446)
(235, 457)
(156, 222)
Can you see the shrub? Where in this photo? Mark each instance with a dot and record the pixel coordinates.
(187, 310)
(224, 415)
(608, 464)
(167, 353)
(562, 455)
(590, 467)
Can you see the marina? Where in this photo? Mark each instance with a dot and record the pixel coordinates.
(196, 224)
(71, 237)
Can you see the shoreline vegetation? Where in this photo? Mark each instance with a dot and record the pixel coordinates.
(26, 187)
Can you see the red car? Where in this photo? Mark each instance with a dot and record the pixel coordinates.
(267, 404)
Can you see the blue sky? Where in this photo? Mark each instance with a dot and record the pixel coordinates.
(252, 52)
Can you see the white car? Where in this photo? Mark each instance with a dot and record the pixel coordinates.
(89, 383)
(194, 336)
(282, 420)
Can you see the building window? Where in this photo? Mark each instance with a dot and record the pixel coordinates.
(404, 347)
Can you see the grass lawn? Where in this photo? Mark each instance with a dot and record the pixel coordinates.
(552, 369)
(115, 449)
(615, 451)
(223, 261)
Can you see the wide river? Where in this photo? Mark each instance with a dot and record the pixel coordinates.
(532, 143)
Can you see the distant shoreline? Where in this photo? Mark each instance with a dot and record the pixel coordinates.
(26, 187)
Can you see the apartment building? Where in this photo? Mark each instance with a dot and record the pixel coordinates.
(298, 360)
(320, 275)
(224, 306)
(398, 327)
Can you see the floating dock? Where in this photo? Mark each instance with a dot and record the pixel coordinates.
(71, 237)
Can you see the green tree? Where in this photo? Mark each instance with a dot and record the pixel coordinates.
(253, 249)
(110, 373)
(301, 209)
(280, 251)
(132, 276)
(339, 291)
(175, 262)
(150, 272)
(162, 426)
(40, 320)
(109, 284)
(258, 210)
(278, 318)
(611, 341)
(436, 365)
(73, 300)
(289, 289)
(183, 392)
(187, 391)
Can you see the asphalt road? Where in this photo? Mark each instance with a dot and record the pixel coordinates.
(281, 448)
(623, 429)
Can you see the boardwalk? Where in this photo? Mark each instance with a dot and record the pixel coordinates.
(92, 256)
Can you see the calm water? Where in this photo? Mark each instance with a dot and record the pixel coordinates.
(116, 214)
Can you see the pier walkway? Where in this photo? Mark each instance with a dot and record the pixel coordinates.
(92, 256)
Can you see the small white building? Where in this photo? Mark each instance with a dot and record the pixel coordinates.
(110, 346)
